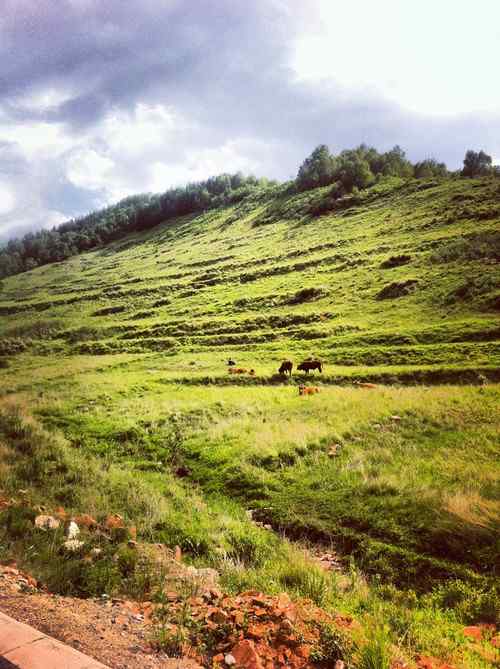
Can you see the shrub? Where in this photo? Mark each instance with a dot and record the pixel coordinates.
(334, 644)
(106, 311)
(395, 261)
(397, 289)
(470, 603)
(306, 295)
(376, 653)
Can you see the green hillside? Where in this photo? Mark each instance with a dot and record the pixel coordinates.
(403, 275)
(120, 354)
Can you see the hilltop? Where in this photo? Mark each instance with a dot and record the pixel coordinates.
(115, 398)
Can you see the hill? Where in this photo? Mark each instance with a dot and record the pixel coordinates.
(403, 274)
(119, 355)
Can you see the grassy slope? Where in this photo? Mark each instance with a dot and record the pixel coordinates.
(123, 350)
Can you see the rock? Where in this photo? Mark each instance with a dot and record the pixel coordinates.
(46, 522)
(60, 513)
(473, 632)
(73, 530)
(245, 655)
(85, 521)
(229, 659)
(73, 545)
(113, 522)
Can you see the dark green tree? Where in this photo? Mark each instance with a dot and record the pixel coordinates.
(429, 168)
(476, 163)
(317, 170)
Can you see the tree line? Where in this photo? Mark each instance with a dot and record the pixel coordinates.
(360, 167)
(350, 169)
(132, 214)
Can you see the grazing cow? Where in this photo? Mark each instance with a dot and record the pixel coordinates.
(308, 365)
(363, 384)
(238, 370)
(308, 390)
(286, 367)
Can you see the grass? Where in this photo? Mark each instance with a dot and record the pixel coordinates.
(113, 378)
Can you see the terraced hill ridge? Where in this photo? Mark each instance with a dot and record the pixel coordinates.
(399, 278)
(115, 398)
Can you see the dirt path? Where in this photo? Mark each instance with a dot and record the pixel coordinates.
(111, 631)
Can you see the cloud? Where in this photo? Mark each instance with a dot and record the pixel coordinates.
(102, 100)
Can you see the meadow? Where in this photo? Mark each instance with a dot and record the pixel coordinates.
(115, 397)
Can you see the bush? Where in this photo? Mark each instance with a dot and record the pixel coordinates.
(334, 644)
(306, 295)
(395, 261)
(470, 603)
(397, 289)
(376, 653)
(106, 311)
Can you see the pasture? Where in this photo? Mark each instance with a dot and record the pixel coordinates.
(120, 356)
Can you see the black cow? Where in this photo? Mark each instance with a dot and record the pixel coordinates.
(307, 365)
(231, 362)
(286, 367)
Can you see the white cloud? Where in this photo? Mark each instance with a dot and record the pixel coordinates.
(428, 57)
(42, 100)
(7, 199)
(233, 156)
(139, 130)
(37, 140)
(89, 169)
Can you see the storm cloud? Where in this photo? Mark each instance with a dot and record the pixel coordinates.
(102, 100)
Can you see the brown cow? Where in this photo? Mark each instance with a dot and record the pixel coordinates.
(308, 390)
(310, 364)
(286, 367)
(363, 384)
(237, 370)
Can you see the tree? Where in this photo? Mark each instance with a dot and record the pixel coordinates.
(317, 170)
(429, 168)
(395, 163)
(353, 170)
(476, 164)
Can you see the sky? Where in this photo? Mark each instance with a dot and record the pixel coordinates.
(101, 100)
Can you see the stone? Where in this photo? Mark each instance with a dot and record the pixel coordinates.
(229, 660)
(44, 522)
(73, 545)
(73, 530)
(245, 655)
(473, 632)
(85, 520)
(113, 522)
